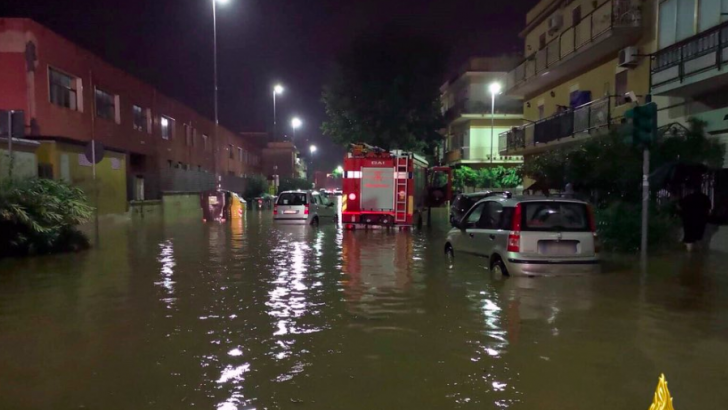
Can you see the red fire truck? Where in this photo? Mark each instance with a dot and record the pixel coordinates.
(388, 188)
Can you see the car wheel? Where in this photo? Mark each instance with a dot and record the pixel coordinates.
(498, 268)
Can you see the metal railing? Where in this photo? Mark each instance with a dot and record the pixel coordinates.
(688, 57)
(607, 15)
(567, 124)
(475, 107)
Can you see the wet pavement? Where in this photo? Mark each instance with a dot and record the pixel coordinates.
(177, 315)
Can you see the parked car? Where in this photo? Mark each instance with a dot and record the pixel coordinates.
(303, 207)
(529, 236)
(463, 202)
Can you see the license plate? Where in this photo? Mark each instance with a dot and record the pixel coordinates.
(557, 248)
(290, 212)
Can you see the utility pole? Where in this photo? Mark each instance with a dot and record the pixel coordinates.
(10, 144)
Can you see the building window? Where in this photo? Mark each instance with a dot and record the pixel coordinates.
(540, 112)
(231, 154)
(141, 119)
(620, 87)
(542, 41)
(240, 154)
(194, 136)
(576, 15)
(204, 142)
(167, 126)
(188, 135)
(105, 105)
(62, 89)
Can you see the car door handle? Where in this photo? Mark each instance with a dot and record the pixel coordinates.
(492, 237)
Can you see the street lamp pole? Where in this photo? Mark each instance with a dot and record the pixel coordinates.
(494, 89)
(217, 119)
(313, 150)
(278, 89)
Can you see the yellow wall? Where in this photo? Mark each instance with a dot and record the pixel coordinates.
(111, 195)
(600, 81)
(532, 38)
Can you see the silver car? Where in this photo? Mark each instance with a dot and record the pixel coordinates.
(303, 207)
(529, 236)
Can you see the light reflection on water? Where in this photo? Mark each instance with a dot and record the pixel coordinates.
(252, 315)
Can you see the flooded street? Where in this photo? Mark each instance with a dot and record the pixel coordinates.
(176, 315)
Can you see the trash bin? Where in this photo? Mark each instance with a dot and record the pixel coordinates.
(213, 205)
(237, 206)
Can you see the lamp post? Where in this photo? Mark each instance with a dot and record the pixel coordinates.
(494, 88)
(278, 89)
(313, 151)
(295, 124)
(214, 59)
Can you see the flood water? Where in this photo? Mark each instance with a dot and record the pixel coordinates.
(178, 315)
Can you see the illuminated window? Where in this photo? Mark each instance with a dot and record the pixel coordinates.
(141, 118)
(166, 125)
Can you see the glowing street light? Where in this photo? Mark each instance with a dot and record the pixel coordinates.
(313, 149)
(495, 89)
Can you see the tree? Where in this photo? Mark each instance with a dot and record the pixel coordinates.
(385, 92)
(257, 186)
(292, 184)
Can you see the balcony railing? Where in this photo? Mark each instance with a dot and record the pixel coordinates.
(606, 16)
(701, 52)
(567, 124)
(474, 107)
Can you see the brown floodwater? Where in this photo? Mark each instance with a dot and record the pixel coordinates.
(185, 315)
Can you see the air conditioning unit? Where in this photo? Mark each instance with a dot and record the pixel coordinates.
(555, 23)
(628, 56)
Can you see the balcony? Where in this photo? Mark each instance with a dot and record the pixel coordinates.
(683, 69)
(570, 125)
(479, 156)
(613, 25)
(465, 110)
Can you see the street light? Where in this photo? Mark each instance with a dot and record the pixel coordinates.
(214, 59)
(495, 89)
(278, 89)
(295, 124)
(340, 170)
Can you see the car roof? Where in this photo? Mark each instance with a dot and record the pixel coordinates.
(517, 199)
(298, 192)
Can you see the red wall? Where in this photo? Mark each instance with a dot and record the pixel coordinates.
(55, 121)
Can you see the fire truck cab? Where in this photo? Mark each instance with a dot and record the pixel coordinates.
(383, 188)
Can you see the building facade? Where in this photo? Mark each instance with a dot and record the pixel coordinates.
(283, 159)
(473, 127)
(581, 59)
(689, 77)
(152, 143)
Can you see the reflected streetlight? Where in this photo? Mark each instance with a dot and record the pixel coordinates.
(495, 89)
(277, 89)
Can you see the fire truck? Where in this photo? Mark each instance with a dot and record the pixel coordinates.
(389, 188)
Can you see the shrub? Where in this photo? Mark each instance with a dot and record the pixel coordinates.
(620, 227)
(292, 184)
(257, 186)
(39, 216)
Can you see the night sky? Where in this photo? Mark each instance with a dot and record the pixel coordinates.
(168, 43)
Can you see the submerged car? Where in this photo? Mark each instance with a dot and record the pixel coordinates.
(303, 207)
(463, 202)
(529, 236)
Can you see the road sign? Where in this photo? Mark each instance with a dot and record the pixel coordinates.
(90, 148)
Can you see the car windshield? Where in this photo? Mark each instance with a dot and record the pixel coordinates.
(555, 216)
(292, 198)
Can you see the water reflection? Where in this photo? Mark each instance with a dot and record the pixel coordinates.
(252, 315)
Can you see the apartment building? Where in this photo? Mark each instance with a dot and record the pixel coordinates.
(474, 124)
(581, 58)
(689, 77)
(152, 143)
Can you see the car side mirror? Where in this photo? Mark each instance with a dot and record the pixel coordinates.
(460, 224)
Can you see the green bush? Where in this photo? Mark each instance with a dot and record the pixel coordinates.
(39, 216)
(620, 227)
